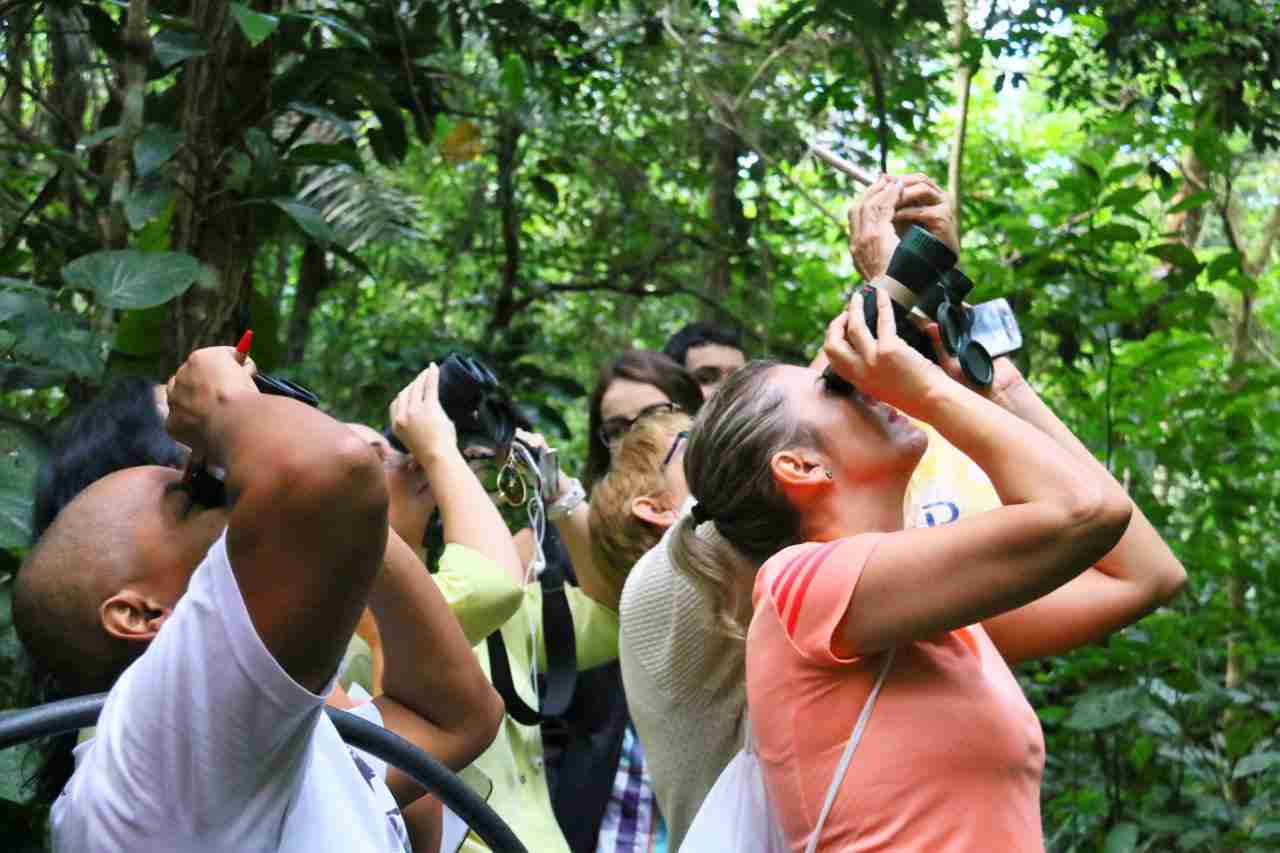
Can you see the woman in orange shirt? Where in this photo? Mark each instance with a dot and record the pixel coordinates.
(800, 480)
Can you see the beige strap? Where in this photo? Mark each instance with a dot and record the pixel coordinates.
(843, 766)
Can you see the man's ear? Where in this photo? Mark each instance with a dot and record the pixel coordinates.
(133, 615)
(801, 473)
(654, 510)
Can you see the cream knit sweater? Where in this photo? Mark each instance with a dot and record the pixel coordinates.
(685, 683)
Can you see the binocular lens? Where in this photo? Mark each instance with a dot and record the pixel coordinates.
(976, 363)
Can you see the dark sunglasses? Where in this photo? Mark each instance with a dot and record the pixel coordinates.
(836, 384)
(675, 445)
(711, 374)
(615, 428)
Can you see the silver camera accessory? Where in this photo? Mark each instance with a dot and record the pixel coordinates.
(996, 327)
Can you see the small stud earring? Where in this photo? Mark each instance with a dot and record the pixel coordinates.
(829, 475)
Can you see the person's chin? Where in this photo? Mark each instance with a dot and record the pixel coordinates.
(910, 439)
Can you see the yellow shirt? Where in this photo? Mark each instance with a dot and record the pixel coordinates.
(483, 597)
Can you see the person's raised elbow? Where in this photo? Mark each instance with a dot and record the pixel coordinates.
(330, 483)
(1099, 515)
(344, 474)
(481, 728)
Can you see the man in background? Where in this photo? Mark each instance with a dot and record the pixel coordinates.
(709, 351)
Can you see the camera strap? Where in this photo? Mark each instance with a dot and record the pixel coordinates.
(556, 691)
(897, 291)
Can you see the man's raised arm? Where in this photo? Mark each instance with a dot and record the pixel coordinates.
(308, 523)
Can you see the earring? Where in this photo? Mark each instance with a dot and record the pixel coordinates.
(828, 472)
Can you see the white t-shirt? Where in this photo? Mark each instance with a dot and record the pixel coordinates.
(206, 744)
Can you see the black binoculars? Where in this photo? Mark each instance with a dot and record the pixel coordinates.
(924, 267)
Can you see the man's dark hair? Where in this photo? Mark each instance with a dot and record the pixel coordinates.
(638, 365)
(120, 428)
(696, 335)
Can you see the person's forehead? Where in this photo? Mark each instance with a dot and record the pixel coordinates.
(138, 482)
(713, 354)
(626, 397)
(367, 433)
(797, 382)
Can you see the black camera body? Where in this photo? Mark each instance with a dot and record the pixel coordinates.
(481, 410)
(922, 276)
(486, 419)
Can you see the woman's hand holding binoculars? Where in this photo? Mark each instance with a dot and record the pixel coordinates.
(420, 422)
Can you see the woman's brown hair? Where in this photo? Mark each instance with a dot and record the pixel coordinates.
(638, 365)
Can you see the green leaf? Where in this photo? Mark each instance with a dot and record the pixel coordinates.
(514, 78)
(1125, 197)
(149, 199)
(546, 189)
(20, 457)
(1224, 264)
(95, 139)
(131, 279)
(1117, 232)
(141, 333)
(1256, 763)
(319, 154)
(345, 127)
(1123, 838)
(171, 47)
(262, 152)
(1128, 170)
(307, 218)
(57, 339)
(15, 304)
(155, 147)
(1176, 254)
(335, 24)
(1103, 709)
(1193, 201)
(256, 26)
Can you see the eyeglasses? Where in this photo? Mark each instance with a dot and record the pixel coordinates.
(675, 445)
(712, 374)
(612, 430)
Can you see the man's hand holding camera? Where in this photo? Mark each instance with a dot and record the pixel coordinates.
(208, 380)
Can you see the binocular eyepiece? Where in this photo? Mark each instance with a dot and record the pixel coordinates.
(922, 276)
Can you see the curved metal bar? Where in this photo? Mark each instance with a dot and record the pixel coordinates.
(78, 713)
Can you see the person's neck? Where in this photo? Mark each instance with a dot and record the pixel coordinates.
(863, 508)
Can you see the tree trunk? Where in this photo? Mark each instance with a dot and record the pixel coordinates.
(210, 221)
(132, 93)
(508, 146)
(18, 47)
(314, 277)
(963, 84)
(730, 228)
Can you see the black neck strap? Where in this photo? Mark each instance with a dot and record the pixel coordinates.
(555, 694)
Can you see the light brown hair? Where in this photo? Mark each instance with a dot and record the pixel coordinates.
(618, 536)
(728, 464)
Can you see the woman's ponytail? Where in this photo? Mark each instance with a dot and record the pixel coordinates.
(728, 465)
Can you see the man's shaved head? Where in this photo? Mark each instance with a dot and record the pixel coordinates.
(130, 531)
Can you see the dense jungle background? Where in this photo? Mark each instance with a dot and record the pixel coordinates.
(545, 182)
